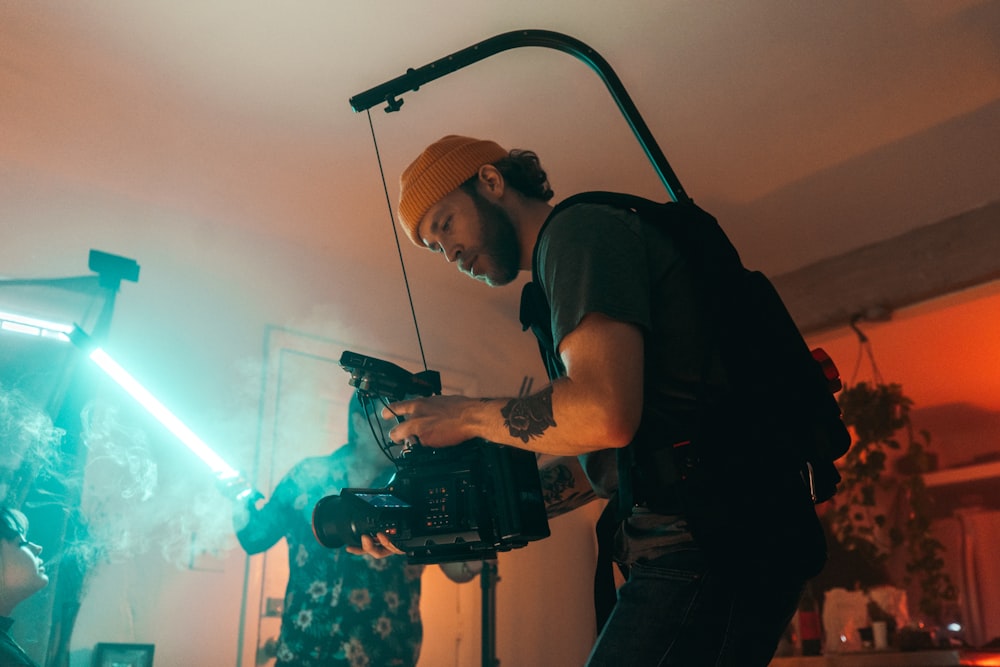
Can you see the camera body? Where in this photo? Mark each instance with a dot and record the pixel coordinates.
(465, 502)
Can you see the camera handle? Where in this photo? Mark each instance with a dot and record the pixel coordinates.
(414, 78)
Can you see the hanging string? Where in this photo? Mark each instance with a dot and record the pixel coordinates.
(395, 233)
(864, 349)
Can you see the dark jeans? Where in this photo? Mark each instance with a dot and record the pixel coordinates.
(676, 612)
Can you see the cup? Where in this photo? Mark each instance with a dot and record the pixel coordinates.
(880, 635)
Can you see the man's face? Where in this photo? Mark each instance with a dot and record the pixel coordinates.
(476, 233)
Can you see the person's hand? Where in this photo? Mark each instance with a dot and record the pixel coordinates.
(238, 490)
(380, 547)
(435, 421)
(243, 499)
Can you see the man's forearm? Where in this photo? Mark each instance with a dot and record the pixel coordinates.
(564, 486)
(562, 419)
(565, 418)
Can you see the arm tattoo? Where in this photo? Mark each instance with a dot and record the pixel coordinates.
(529, 417)
(560, 491)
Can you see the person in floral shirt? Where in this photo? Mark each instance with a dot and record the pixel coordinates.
(340, 609)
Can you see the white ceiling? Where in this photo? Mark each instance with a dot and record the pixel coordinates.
(809, 128)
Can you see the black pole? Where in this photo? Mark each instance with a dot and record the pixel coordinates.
(488, 583)
(414, 78)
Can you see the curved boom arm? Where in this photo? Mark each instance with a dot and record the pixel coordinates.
(414, 78)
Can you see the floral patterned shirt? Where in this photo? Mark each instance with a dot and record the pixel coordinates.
(340, 609)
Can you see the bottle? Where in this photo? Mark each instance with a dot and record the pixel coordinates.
(810, 628)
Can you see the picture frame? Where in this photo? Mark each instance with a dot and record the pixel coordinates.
(108, 654)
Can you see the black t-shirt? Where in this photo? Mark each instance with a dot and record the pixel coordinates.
(598, 259)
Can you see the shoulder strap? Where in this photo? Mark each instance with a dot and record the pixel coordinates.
(698, 235)
(535, 313)
(616, 199)
(646, 208)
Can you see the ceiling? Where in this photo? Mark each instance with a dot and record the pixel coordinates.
(808, 128)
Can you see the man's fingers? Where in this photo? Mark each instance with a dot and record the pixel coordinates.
(397, 409)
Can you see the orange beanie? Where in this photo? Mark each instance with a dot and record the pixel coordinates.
(442, 167)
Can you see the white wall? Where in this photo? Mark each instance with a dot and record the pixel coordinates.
(192, 331)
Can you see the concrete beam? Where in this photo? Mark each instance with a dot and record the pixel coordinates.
(928, 262)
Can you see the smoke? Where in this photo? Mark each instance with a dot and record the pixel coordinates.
(119, 464)
(135, 495)
(139, 496)
(29, 443)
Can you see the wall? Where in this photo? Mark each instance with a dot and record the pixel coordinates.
(192, 330)
(945, 354)
(940, 352)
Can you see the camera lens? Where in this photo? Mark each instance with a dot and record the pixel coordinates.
(331, 522)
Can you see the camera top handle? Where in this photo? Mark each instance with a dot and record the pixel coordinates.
(414, 78)
(387, 380)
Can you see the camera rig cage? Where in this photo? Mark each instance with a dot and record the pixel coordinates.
(465, 502)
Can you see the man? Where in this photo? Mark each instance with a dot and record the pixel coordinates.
(628, 347)
(340, 608)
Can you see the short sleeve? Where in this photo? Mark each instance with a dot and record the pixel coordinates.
(592, 259)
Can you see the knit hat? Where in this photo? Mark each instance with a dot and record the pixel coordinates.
(442, 167)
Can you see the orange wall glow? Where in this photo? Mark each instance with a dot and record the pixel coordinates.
(942, 352)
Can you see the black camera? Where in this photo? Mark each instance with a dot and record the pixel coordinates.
(466, 502)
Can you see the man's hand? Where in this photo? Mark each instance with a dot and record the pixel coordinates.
(381, 547)
(435, 421)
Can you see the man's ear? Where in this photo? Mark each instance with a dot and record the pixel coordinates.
(491, 180)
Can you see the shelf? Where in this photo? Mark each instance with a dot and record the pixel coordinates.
(972, 473)
(941, 658)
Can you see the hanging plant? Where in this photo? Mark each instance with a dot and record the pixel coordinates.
(861, 520)
(924, 562)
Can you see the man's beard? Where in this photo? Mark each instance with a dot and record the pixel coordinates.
(498, 242)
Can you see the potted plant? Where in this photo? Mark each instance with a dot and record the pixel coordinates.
(883, 509)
